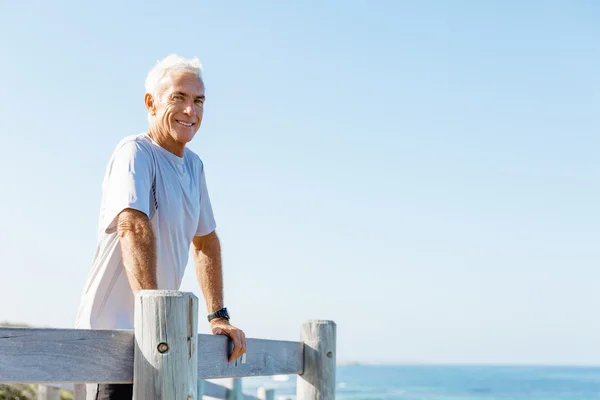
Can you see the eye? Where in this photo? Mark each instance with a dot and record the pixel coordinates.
(178, 97)
(200, 101)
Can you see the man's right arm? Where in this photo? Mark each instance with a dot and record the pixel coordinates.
(138, 248)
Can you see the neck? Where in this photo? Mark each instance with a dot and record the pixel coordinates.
(164, 140)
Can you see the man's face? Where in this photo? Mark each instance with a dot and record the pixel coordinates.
(179, 106)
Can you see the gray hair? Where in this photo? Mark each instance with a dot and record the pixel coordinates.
(171, 63)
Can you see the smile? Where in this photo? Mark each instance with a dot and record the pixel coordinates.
(188, 124)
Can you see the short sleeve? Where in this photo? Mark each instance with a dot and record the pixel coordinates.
(127, 183)
(206, 223)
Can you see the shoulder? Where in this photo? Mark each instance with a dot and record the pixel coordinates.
(194, 159)
(134, 146)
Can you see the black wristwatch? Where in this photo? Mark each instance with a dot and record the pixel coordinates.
(222, 313)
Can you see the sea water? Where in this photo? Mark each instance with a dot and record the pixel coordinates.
(428, 382)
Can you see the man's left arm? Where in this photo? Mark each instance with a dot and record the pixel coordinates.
(209, 271)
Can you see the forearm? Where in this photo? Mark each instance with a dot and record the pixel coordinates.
(209, 271)
(138, 247)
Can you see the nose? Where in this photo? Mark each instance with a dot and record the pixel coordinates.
(190, 109)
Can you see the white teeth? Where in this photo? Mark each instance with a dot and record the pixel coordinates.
(185, 123)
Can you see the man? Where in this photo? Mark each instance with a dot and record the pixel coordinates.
(155, 204)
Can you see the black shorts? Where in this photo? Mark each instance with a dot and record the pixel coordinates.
(115, 392)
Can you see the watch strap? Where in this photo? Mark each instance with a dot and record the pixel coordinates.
(222, 313)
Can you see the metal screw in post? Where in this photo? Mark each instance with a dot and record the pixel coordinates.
(163, 347)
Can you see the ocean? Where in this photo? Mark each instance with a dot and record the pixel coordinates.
(428, 382)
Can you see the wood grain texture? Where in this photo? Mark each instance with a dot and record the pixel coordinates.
(165, 355)
(65, 355)
(74, 355)
(263, 358)
(317, 382)
(99, 356)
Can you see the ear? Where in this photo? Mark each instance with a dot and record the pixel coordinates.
(149, 102)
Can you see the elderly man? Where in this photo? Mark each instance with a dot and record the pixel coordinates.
(155, 204)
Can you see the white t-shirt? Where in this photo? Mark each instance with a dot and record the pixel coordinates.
(172, 192)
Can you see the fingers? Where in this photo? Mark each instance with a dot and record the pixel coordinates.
(238, 348)
(237, 336)
(239, 344)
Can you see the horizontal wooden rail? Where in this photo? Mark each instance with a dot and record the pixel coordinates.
(78, 356)
(220, 392)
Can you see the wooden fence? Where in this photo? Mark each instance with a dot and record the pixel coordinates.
(165, 357)
(230, 390)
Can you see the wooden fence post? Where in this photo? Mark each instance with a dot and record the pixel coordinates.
(48, 392)
(200, 389)
(165, 353)
(235, 388)
(265, 394)
(79, 392)
(317, 382)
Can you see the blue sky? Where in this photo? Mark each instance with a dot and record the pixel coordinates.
(423, 173)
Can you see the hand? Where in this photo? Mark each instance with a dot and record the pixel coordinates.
(220, 326)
